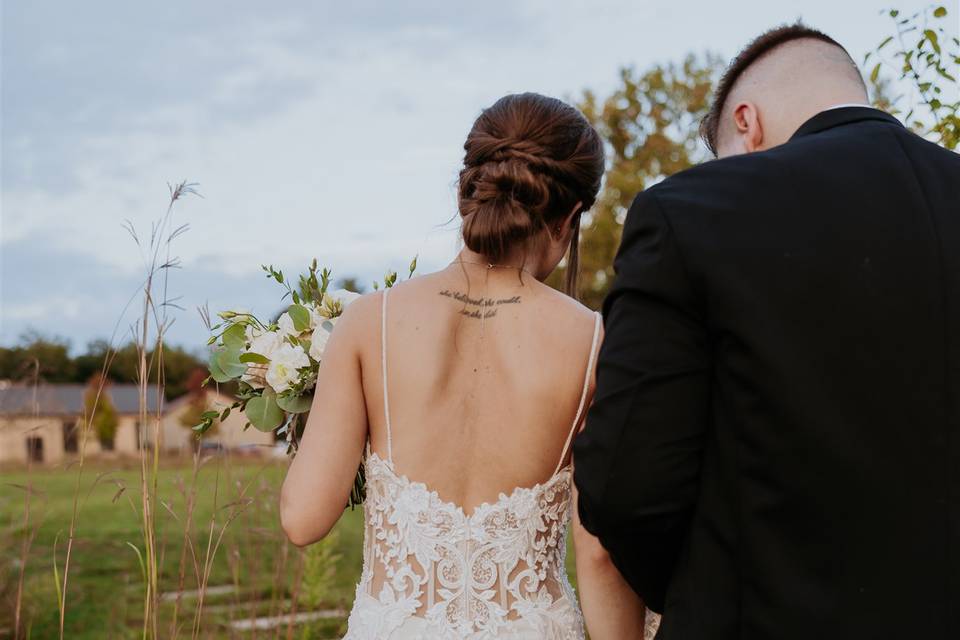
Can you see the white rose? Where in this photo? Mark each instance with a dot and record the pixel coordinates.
(263, 343)
(286, 325)
(283, 368)
(318, 342)
(334, 302)
(343, 296)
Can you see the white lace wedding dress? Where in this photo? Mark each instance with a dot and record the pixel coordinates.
(432, 571)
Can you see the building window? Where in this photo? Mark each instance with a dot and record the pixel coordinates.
(35, 449)
(69, 436)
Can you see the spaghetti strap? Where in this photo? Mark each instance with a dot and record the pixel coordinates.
(383, 372)
(583, 393)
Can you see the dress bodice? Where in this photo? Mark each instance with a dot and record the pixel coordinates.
(494, 573)
(432, 571)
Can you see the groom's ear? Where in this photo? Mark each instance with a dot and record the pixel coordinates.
(746, 119)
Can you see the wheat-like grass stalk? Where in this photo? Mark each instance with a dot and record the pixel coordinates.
(29, 527)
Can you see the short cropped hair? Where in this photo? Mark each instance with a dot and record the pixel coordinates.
(756, 49)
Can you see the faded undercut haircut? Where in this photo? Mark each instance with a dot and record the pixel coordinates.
(756, 49)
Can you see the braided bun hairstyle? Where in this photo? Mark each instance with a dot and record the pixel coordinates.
(529, 160)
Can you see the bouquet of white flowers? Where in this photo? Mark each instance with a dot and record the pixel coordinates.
(275, 364)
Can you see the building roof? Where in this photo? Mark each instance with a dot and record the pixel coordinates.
(67, 399)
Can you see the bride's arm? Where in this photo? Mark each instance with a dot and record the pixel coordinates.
(321, 475)
(611, 608)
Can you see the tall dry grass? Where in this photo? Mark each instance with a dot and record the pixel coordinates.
(199, 543)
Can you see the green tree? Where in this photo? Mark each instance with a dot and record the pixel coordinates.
(52, 354)
(650, 126)
(99, 412)
(178, 365)
(922, 53)
(197, 403)
(56, 365)
(350, 284)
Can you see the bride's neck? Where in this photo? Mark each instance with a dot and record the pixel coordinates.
(510, 264)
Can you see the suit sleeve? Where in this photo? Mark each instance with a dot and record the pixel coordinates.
(638, 458)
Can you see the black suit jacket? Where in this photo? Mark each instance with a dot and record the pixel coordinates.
(774, 447)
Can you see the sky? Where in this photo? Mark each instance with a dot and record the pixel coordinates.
(313, 129)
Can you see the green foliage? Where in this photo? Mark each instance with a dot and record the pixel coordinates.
(310, 286)
(300, 316)
(47, 359)
(318, 586)
(263, 411)
(197, 411)
(99, 412)
(922, 52)
(56, 365)
(650, 126)
(350, 284)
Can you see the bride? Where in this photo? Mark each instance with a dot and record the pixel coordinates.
(461, 391)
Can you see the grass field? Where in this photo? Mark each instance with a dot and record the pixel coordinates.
(254, 569)
(254, 572)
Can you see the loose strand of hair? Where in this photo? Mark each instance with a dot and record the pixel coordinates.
(572, 285)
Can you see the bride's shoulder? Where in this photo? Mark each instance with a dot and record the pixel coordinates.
(360, 319)
(563, 307)
(366, 309)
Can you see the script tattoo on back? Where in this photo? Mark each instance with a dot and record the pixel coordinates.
(478, 308)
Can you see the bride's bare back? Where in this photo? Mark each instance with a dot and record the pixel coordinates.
(485, 375)
(465, 438)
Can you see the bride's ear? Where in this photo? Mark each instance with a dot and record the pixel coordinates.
(746, 118)
(563, 228)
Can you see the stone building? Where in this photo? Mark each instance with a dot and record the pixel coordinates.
(42, 424)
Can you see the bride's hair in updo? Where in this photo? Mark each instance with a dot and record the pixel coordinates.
(529, 160)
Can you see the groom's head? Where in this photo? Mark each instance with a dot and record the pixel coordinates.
(780, 80)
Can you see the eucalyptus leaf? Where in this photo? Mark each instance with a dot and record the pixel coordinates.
(229, 362)
(263, 412)
(300, 316)
(294, 404)
(235, 337)
(216, 372)
(255, 358)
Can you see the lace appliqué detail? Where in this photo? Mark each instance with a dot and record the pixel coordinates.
(436, 572)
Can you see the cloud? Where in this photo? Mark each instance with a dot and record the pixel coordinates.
(315, 129)
(60, 292)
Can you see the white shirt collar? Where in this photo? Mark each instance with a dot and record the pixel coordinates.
(848, 104)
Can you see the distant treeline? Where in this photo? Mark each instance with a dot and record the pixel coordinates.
(20, 363)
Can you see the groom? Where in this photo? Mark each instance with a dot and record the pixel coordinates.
(774, 448)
